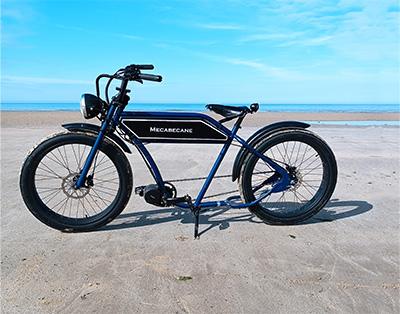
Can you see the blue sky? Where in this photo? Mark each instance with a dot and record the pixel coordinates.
(305, 51)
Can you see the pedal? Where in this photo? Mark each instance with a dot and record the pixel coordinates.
(139, 190)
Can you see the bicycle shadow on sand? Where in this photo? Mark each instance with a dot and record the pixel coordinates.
(223, 217)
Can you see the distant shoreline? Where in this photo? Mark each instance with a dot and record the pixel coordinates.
(200, 107)
(54, 119)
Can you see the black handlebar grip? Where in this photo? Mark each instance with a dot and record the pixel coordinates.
(145, 67)
(150, 77)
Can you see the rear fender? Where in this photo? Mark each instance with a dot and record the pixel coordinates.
(258, 136)
(94, 129)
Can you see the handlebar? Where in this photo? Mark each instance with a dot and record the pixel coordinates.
(150, 77)
(129, 73)
(144, 66)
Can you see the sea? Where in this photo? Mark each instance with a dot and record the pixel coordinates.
(201, 107)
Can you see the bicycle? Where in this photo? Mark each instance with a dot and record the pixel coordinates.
(80, 179)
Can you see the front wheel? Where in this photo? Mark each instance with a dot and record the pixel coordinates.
(48, 177)
(312, 169)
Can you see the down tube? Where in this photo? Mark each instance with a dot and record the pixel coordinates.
(148, 159)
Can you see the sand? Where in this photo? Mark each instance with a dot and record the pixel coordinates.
(346, 259)
(46, 118)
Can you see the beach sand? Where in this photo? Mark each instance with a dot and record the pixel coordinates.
(345, 259)
(46, 118)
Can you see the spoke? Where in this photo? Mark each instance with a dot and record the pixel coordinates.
(102, 190)
(310, 163)
(283, 158)
(315, 188)
(82, 201)
(297, 155)
(97, 172)
(272, 152)
(65, 162)
(49, 170)
(45, 179)
(308, 158)
(291, 154)
(66, 156)
(77, 206)
(90, 204)
(305, 188)
(55, 206)
(108, 173)
(295, 196)
(76, 158)
(106, 188)
(99, 163)
(311, 170)
(285, 148)
(57, 161)
(48, 195)
(45, 176)
(90, 195)
(100, 197)
(108, 180)
(104, 162)
(81, 156)
(305, 198)
(304, 154)
(47, 189)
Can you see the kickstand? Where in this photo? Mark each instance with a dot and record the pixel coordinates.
(196, 213)
(196, 223)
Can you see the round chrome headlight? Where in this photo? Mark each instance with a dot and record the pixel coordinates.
(91, 106)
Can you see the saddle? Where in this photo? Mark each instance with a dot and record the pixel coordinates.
(227, 111)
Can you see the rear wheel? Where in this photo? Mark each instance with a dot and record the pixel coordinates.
(49, 174)
(312, 170)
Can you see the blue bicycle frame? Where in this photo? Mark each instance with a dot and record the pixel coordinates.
(115, 118)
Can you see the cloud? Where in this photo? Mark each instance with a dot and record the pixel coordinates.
(317, 41)
(42, 80)
(218, 26)
(267, 70)
(270, 36)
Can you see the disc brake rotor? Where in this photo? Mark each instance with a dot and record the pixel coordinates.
(68, 188)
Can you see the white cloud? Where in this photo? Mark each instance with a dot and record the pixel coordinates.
(218, 26)
(267, 70)
(270, 36)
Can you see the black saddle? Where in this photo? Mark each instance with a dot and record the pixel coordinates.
(232, 111)
(227, 111)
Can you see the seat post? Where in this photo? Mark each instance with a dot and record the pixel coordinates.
(239, 121)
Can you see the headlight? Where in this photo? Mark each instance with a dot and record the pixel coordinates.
(91, 106)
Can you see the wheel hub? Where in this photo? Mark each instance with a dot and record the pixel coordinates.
(68, 187)
(295, 178)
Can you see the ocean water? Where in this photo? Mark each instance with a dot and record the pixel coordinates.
(201, 107)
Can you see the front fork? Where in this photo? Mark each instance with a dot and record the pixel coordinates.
(93, 151)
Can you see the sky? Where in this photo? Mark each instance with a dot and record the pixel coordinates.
(281, 51)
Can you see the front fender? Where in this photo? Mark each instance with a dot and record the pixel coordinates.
(94, 129)
(254, 139)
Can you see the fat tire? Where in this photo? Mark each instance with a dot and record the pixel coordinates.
(66, 224)
(328, 161)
